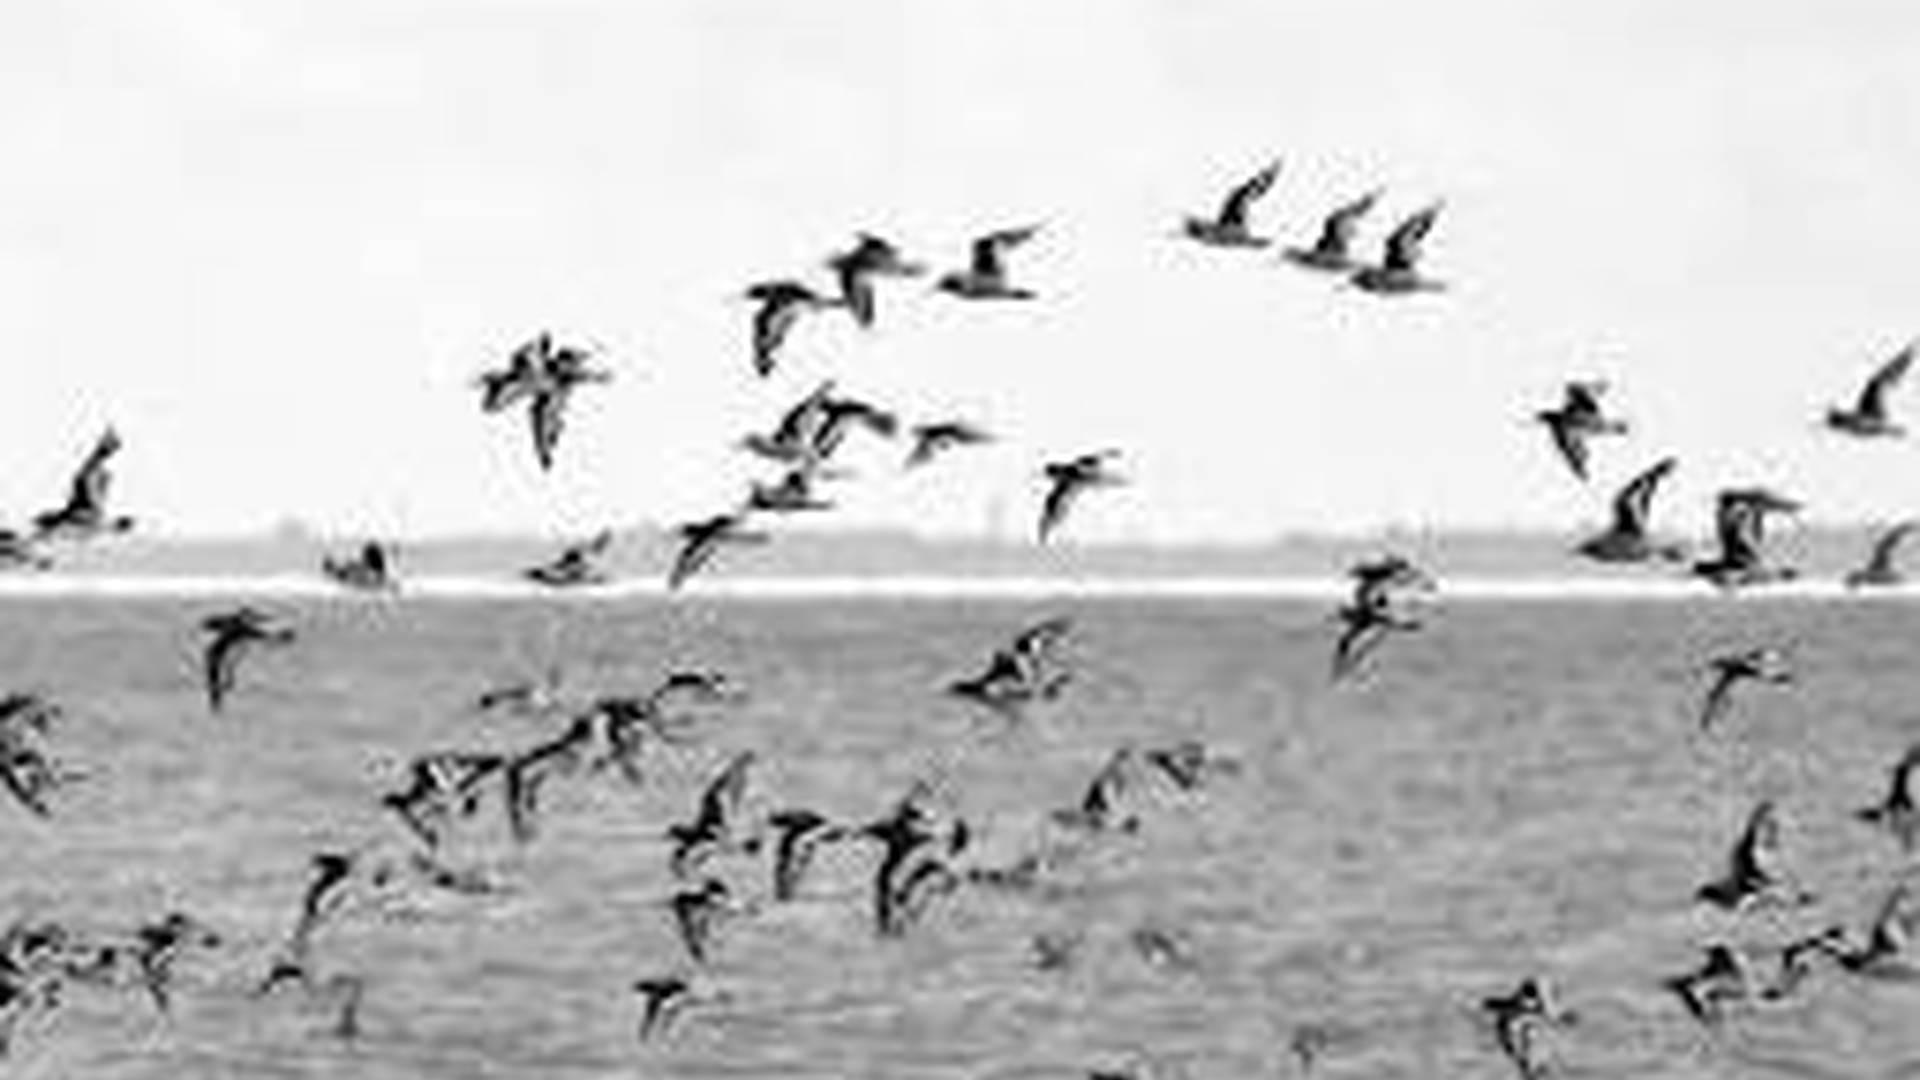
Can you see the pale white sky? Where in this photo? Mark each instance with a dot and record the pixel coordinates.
(274, 242)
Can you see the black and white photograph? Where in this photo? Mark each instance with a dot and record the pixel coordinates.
(960, 539)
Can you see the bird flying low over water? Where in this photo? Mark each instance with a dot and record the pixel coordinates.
(230, 636)
(795, 438)
(1761, 664)
(932, 439)
(701, 540)
(871, 257)
(792, 494)
(1372, 615)
(1066, 481)
(798, 835)
(84, 515)
(544, 376)
(1884, 952)
(1723, 978)
(1516, 1019)
(662, 1000)
(781, 303)
(716, 825)
(440, 786)
(1880, 568)
(1756, 872)
(1333, 250)
(1740, 527)
(1577, 419)
(1628, 538)
(1869, 417)
(577, 564)
(1228, 227)
(370, 570)
(1398, 271)
(985, 278)
(1899, 811)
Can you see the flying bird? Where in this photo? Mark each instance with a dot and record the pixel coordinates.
(1398, 272)
(545, 377)
(1099, 807)
(792, 494)
(1760, 664)
(1372, 614)
(84, 514)
(1880, 568)
(577, 564)
(871, 257)
(701, 540)
(933, 439)
(798, 835)
(1333, 251)
(1869, 416)
(715, 824)
(781, 303)
(230, 636)
(370, 570)
(1067, 480)
(1577, 419)
(1899, 812)
(1516, 1018)
(1228, 227)
(1722, 979)
(986, 277)
(1740, 517)
(697, 912)
(662, 1000)
(1628, 538)
(1755, 872)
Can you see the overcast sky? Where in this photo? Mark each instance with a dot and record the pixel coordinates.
(274, 242)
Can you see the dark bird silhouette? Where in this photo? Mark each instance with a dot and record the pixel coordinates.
(577, 564)
(798, 835)
(795, 438)
(1628, 539)
(911, 838)
(871, 257)
(440, 786)
(986, 276)
(1869, 416)
(1228, 227)
(781, 303)
(1880, 568)
(1760, 664)
(1372, 614)
(715, 824)
(932, 439)
(1398, 272)
(1722, 979)
(84, 515)
(1898, 812)
(1755, 873)
(701, 540)
(1577, 419)
(841, 415)
(792, 494)
(1333, 250)
(1099, 807)
(158, 945)
(370, 570)
(1516, 1018)
(697, 912)
(662, 1000)
(1067, 480)
(1030, 668)
(527, 774)
(231, 635)
(1740, 517)
(322, 897)
(544, 376)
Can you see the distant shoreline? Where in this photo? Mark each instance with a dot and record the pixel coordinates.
(55, 585)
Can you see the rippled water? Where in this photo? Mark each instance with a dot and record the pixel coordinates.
(1517, 791)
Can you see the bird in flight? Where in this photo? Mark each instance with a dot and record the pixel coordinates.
(371, 570)
(701, 540)
(1228, 227)
(1756, 872)
(1628, 538)
(230, 636)
(1373, 615)
(1761, 664)
(871, 257)
(1577, 419)
(985, 277)
(545, 377)
(84, 515)
(1740, 527)
(1869, 417)
(577, 564)
(1880, 568)
(1333, 250)
(935, 438)
(1899, 812)
(1398, 272)
(781, 303)
(1517, 1017)
(1067, 479)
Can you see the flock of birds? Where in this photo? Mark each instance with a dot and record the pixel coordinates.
(923, 848)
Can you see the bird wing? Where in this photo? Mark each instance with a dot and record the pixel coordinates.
(221, 659)
(1719, 696)
(1059, 500)
(1633, 506)
(1356, 642)
(1873, 398)
(1572, 444)
(721, 801)
(1239, 202)
(548, 418)
(989, 249)
(1403, 244)
(771, 323)
(93, 480)
(1888, 545)
(1583, 397)
(856, 289)
(696, 550)
(1336, 233)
